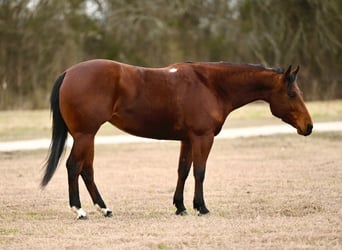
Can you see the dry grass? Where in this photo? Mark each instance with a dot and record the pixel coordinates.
(263, 193)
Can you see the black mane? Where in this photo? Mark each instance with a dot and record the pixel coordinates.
(274, 69)
(260, 66)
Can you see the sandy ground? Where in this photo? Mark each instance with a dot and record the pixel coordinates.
(271, 192)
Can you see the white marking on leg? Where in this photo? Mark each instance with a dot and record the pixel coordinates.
(79, 212)
(173, 70)
(104, 211)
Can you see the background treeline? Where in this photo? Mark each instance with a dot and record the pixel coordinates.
(40, 38)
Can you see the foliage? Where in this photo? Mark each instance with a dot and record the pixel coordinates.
(40, 38)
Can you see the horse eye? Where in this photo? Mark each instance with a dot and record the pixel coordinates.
(292, 94)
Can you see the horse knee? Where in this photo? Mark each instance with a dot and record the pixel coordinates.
(199, 174)
(183, 174)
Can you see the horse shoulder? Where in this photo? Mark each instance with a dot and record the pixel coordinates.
(203, 110)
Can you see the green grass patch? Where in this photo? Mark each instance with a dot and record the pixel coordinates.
(6, 234)
(162, 246)
(8, 231)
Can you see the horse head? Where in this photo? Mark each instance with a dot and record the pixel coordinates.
(287, 103)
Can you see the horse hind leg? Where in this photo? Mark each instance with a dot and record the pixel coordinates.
(74, 167)
(80, 162)
(88, 178)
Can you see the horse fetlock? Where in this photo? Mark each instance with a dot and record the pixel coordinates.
(106, 212)
(179, 204)
(80, 213)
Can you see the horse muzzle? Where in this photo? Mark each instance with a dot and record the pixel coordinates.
(309, 128)
(307, 132)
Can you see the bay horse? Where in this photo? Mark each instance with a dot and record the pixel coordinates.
(188, 102)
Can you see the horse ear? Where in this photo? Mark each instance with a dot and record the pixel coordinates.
(289, 76)
(295, 71)
(288, 72)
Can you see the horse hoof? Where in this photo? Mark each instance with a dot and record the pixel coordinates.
(206, 214)
(82, 217)
(81, 214)
(203, 211)
(182, 213)
(108, 214)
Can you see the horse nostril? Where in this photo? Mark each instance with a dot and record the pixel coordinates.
(309, 128)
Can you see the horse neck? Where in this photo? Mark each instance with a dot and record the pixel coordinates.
(241, 87)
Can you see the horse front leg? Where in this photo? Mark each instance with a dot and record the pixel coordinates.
(201, 147)
(184, 165)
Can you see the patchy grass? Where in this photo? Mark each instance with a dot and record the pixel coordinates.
(270, 192)
(8, 231)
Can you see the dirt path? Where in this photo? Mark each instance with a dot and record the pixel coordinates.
(224, 134)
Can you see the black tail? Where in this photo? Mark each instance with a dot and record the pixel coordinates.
(59, 133)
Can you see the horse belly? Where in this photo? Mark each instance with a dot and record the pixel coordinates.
(155, 124)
